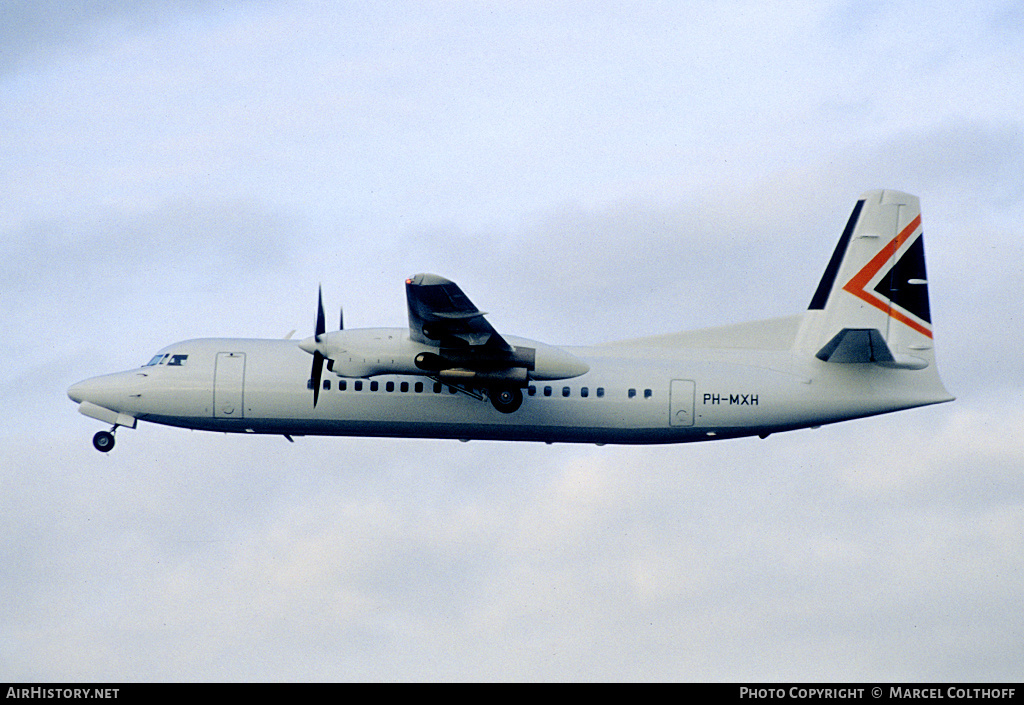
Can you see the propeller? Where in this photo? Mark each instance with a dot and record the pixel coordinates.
(318, 359)
(314, 346)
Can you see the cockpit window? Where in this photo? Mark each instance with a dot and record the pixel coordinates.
(167, 359)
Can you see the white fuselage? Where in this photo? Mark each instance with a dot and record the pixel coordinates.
(631, 394)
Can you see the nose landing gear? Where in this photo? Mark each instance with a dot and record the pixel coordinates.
(103, 441)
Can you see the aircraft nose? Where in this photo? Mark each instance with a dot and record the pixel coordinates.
(76, 392)
(109, 391)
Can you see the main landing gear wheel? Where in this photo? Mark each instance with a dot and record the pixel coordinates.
(103, 441)
(507, 400)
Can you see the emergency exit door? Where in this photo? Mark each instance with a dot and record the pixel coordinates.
(681, 402)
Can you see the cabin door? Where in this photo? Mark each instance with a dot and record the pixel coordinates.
(228, 386)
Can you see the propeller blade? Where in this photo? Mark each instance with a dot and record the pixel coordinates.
(321, 326)
(318, 360)
(341, 319)
(318, 371)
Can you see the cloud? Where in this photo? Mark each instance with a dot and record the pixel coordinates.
(346, 559)
(46, 31)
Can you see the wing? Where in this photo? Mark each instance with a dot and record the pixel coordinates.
(440, 314)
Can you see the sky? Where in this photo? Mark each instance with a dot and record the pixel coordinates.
(586, 172)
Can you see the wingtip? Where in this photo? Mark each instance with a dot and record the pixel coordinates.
(425, 279)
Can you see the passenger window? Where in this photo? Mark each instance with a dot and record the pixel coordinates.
(584, 392)
(390, 386)
(547, 391)
(342, 385)
(374, 386)
(600, 392)
(437, 387)
(565, 391)
(632, 393)
(648, 394)
(531, 390)
(327, 385)
(359, 385)
(418, 387)
(404, 387)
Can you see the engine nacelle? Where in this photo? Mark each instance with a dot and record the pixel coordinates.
(370, 351)
(379, 351)
(520, 357)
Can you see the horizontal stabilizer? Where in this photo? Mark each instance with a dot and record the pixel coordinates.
(853, 345)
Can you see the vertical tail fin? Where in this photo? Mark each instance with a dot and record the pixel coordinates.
(872, 302)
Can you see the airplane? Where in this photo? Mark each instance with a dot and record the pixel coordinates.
(864, 346)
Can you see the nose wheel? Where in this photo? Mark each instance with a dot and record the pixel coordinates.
(103, 441)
